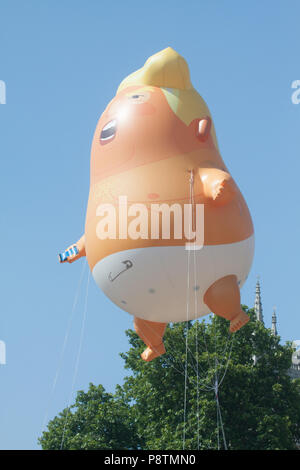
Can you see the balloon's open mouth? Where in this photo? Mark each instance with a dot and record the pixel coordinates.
(109, 131)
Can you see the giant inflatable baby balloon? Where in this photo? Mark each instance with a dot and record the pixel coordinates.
(168, 234)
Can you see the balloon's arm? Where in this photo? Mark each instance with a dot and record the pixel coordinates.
(218, 186)
(73, 252)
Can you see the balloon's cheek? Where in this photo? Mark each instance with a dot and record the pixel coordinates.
(143, 109)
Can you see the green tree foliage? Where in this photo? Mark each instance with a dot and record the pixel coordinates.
(171, 402)
(100, 421)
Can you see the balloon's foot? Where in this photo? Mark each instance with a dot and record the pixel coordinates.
(151, 353)
(237, 322)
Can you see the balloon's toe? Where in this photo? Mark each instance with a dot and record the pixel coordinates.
(151, 353)
(237, 322)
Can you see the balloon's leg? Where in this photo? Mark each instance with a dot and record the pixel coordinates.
(151, 333)
(224, 299)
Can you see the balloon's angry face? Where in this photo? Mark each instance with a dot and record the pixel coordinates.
(138, 127)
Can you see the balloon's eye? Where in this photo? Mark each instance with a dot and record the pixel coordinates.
(139, 98)
(109, 131)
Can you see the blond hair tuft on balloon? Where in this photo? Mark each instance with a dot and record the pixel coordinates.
(165, 69)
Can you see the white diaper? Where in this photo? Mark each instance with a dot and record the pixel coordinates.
(167, 284)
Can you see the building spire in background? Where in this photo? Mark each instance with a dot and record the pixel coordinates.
(274, 323)
(258, 305)
(294, 370)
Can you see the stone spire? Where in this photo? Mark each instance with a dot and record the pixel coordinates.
(274, 323)
(258, 305)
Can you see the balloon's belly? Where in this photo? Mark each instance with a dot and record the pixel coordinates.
(167, 284)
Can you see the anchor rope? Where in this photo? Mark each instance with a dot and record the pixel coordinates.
(65, 342)
(191, 181)
(82, 329)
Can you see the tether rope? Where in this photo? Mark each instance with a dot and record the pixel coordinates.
(77, 359)
(65, 342)
(218, 382)
(191, 181)
(195, 316)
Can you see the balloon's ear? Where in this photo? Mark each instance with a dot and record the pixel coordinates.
(203, 128)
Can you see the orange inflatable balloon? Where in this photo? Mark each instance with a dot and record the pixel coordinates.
(165, 220)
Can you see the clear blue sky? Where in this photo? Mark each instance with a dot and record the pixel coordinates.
(62, 62)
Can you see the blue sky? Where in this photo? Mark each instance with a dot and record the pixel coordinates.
(62, 63)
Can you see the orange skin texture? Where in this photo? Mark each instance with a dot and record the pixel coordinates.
(149, 160)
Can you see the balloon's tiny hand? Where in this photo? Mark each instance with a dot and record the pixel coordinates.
(223, 191)
(73, 252)
(218, 186)
(70, 254)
